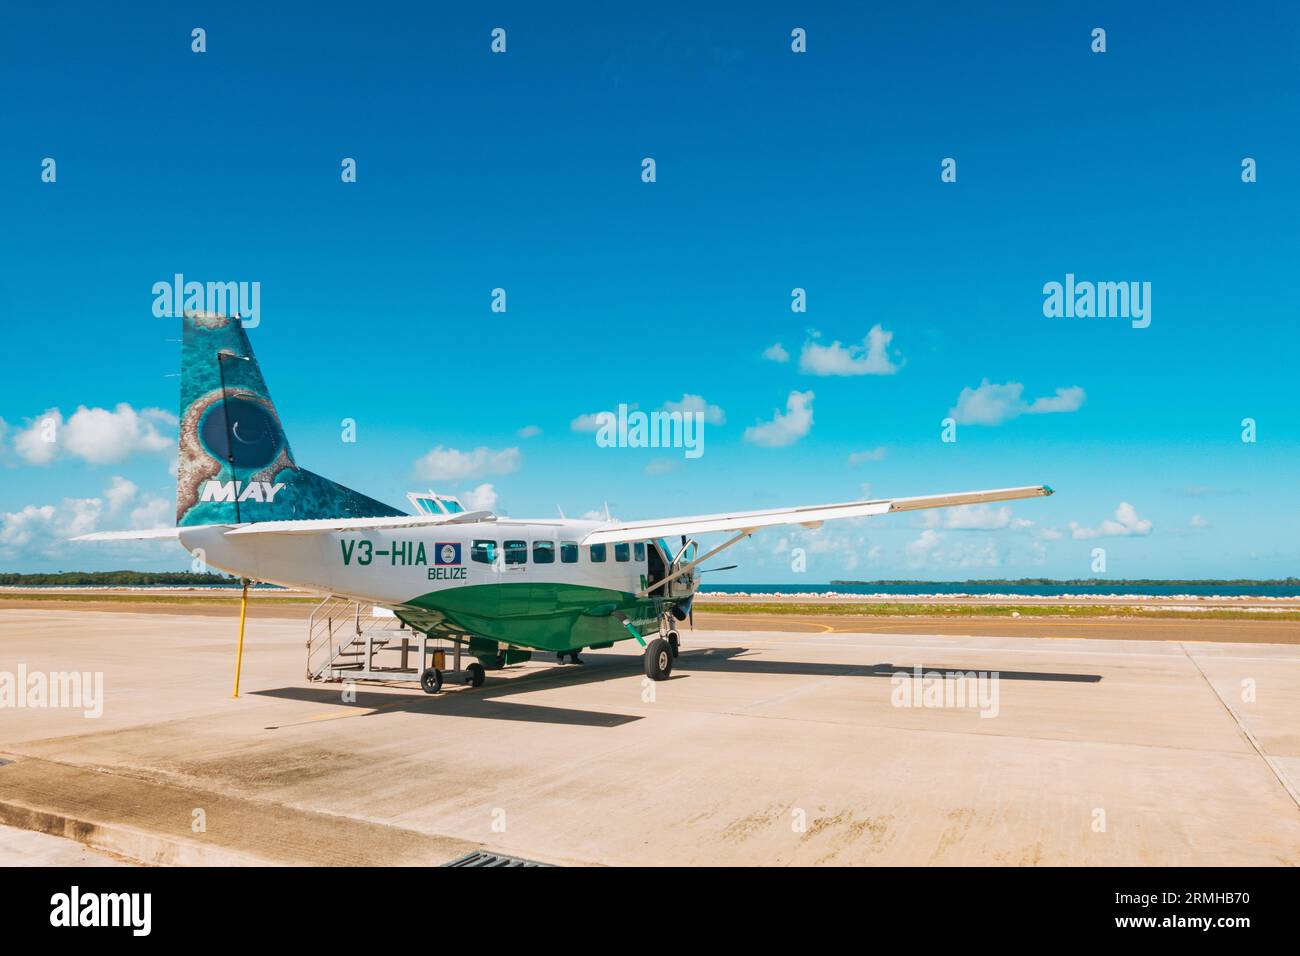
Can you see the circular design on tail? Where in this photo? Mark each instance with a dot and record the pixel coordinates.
(252, 436)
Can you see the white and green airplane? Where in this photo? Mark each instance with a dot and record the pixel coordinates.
(503, 587)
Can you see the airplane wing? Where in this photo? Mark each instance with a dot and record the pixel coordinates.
(809, 516)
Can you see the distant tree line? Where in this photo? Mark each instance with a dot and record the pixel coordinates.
(119, 578)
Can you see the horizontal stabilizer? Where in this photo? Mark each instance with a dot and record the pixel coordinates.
(151, 534)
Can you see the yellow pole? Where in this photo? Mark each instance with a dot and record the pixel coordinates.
(239, 654)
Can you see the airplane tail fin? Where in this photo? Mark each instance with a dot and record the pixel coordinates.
(235, 463)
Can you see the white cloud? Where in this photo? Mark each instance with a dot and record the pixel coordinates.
(919, 550)
(44, 530)
(933, 549)
(969, 518)
(872, 454)
(776, 353)
(869, 358)
(37, 444)
(784, 429)
(713, 415)
(529, 431)
(661, 466)
(1126, 522)
(119, 492)
(1199, 521)
(591, 421)
(481, 498)
(992, 404)
(450, 464)
(153, 512)
(842, 542)
(95, 435)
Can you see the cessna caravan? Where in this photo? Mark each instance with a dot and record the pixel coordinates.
(501, 587)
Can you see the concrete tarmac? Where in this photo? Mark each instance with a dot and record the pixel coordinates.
(765, 747)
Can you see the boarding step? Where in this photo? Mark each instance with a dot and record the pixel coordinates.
(345, 634)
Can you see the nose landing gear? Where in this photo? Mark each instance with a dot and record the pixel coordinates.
(658, 659)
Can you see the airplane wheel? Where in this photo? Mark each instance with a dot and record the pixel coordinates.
(658, 659)
(431, 680)
(674, 643)
(475, 675)
(560, 657)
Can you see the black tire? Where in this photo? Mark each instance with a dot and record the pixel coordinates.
(475, 675)
(431, 680)
(560, 657)
(658, 659)
(675, 643)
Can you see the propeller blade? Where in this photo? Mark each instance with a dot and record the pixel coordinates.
(729, 567)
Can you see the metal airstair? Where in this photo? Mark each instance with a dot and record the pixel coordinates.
(344, 636)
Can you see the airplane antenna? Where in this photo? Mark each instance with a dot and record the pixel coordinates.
(230, 443)
(607, 517)
(560, 510)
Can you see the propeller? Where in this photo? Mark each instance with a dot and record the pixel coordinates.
(690, 607)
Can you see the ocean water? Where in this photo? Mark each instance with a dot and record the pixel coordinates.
(1028, 590)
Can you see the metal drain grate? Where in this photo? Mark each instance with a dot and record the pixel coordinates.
(482, 858)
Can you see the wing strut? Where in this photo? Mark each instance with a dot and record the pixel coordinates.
(686, 569)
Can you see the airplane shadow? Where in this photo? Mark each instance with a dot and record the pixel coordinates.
(384, 700)
(485, 703)
(728, 659)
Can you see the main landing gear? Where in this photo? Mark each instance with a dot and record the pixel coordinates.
(571, 655)
(431, 678)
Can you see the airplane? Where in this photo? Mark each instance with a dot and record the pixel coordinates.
(501, 587)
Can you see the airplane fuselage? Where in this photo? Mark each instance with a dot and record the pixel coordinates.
(527, 583)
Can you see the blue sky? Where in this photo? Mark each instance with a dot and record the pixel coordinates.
(775, 170)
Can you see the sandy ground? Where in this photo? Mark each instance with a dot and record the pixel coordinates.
(1108, 629)
(767, 747)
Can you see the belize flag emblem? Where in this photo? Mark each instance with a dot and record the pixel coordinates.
(446, 552)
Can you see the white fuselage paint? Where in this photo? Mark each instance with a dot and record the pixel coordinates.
(381, 566)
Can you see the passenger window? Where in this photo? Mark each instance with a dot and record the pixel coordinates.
(622, 552)
(543, 552)
(638, 550)
(597, 553)
(516, 552)
(568, 552)
(484, 552)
